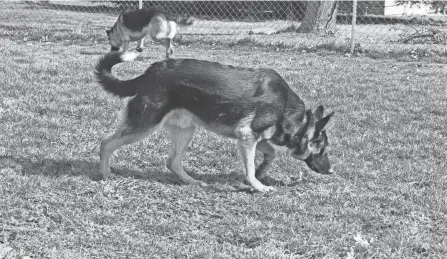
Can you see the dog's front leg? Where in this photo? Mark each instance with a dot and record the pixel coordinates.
(140, 45)
(247, 148)
(269, 155)
(180, 140)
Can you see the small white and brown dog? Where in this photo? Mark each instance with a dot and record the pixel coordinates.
(135, 25)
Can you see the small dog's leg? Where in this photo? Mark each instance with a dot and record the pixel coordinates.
(172, 32)
(169, 48)
(167, 43)
(140, 45)
(180, 140)
(247, 148)
(125, 46)
(269, 155)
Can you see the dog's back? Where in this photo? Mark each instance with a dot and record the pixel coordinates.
(136, 20)
(220, 94)
(213, 92)
(226, 81)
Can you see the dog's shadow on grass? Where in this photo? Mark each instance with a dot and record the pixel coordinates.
(90, 169)
(73, 167)
(93, 52)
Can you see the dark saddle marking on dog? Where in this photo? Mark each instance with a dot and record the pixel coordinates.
(136, 20)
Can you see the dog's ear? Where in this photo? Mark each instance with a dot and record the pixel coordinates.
(320, 124)
(324, 137)
(318, 113)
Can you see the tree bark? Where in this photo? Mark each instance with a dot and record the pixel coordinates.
(320, 17)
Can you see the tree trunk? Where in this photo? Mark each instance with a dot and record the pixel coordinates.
(320, 17)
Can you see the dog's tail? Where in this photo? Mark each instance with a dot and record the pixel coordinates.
(183, 21)
(103, 72)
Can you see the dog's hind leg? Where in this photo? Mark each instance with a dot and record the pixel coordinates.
(123, 136)
(269, 155)
(172, 32)
(140, 45)
(169, 48)
(167, 43)
(180, 140)
(138, 120)
(163, 32)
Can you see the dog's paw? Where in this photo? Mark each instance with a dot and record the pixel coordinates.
(197, 183)
(169, 53)
(108, 176)
(265, 188)
(259, 187)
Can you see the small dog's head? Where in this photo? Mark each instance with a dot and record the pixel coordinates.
(310, 141)
(115, 44)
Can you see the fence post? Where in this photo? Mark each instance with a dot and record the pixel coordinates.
(140, 4)
(354, 21)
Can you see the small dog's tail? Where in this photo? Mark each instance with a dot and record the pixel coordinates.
(182, 21)
(110, 83)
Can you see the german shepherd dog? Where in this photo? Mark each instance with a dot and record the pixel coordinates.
(135, 25)
(254, 106)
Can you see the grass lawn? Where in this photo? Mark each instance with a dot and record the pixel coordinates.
(388, 142)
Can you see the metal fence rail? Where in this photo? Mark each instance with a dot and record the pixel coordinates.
(296, 24)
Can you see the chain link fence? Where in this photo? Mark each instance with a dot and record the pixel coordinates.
(389, 26)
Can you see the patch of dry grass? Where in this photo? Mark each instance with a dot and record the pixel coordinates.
(388, 144)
